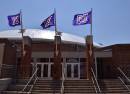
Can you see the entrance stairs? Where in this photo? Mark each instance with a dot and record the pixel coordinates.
(112, 86)
(70, 87)
(53, 87)
(79, 87)
(108, 86)
(47, 87)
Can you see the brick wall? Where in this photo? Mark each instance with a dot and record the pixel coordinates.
(8, 67)
(107, 66)
(121, 57)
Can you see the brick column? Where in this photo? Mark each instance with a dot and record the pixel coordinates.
(57, 71)
(25, 66)
(89, 56)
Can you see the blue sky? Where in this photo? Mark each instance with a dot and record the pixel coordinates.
(111, 18)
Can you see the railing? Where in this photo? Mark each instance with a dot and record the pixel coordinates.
(62, 83)
(124, 83)
(29, 81)
(121, 78)
(123, 74)
(96, 83)
(94, 86)
(33, 85)
(62, 86)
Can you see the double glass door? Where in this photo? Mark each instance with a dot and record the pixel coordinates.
(72, 71)
(44, 70)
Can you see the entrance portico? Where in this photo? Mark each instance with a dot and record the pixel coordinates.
(72, 64)
(71, 70)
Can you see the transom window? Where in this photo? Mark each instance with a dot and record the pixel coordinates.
(42, 59)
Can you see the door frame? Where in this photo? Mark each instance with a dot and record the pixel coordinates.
(42, 69)
(72, 71)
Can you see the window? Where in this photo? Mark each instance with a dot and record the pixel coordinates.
(82, 59)
(72, 60)
(42, 59)
(52, 59)
(32, 60)
(18, 59)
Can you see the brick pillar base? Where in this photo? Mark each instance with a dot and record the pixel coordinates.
(57, 71)
(89, 55)
(25, 66)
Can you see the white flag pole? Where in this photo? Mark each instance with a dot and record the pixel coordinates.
(56, 32)
(55, 22)
(22, 31)
(91, 46)
(91, 22)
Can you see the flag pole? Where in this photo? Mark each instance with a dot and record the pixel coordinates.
(55, 22)
(22, 31)
(91, 34)
(55, 30)
(91, 22)
(91, 43)
(90, 49)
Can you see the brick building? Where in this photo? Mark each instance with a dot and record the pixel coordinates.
(39, 47)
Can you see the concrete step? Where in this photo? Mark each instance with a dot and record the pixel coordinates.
(17, 87)
(47, 91)
(12, 92)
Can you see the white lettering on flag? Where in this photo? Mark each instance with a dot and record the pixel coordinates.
(15, 20)
(48, 22)
(82, 18)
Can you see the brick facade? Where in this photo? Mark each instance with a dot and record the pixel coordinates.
(121, 57)
(107, 66)
(8, 64)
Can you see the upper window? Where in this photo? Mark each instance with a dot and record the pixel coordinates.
(72, 60)
(42, 59)
(82, 59)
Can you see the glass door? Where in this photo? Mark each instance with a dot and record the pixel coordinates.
(72, 71)
(44, 70)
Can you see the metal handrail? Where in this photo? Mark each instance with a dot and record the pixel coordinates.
(35, 66)
(32, 85)
(94, 86)
(30, 80)
(124, 83)
(123, 74)
(62, 87)
(63, 79)
(96, 81)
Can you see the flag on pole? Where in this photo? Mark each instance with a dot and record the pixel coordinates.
(48, 22)
(14, 20)
(81, 19)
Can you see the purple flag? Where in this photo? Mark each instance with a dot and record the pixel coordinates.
(81, 19)
(48, 22)
(14, 20)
